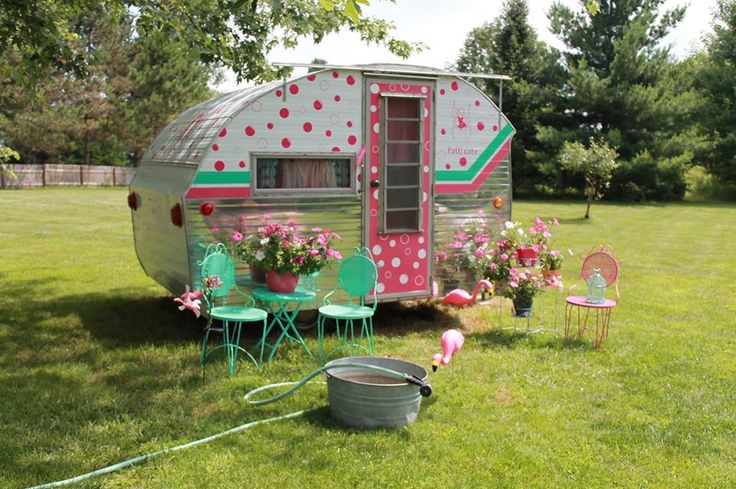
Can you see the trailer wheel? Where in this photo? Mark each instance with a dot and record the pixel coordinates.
(306, 320)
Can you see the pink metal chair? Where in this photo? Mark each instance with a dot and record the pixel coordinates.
(601, 258)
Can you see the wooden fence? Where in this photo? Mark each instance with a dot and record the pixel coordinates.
(44, 175)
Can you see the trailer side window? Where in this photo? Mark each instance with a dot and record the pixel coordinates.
(402, 156)
(279, 173)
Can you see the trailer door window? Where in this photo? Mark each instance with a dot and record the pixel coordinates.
(302, 173)
(402, 153)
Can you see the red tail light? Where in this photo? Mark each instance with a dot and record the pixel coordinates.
(176, 217)
(133, 200)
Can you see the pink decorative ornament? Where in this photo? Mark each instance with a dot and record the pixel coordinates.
(189, 300)
(451, 341)
(460, 298)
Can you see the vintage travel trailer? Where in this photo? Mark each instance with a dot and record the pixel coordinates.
(395, 158)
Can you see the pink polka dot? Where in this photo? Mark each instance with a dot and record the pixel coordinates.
(284, 113)
(443, 131)
(349, 123)
(311, 77)
(294, 89)
(335, 74)
(481, 126)
(352, 140)
(335, 149)
(317, 105)
(219, 165)
(447, 166)
(442, 91)
(278, 93)
(269, 125)
(477, 103)
(454, 86)
(307, 127)
(495, 128)
(463, 161)
(223, 133)
(241, 164)
(337, 98)
(249, 131)
(285, 143)
(215, 147)
(328, 133)
(350, 80)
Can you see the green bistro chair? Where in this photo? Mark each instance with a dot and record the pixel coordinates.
(358, 276)
(218, 270)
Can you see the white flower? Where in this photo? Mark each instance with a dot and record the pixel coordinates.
(509, 225)
(264, 241)
(260, 255)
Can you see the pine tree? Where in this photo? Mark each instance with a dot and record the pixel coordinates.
(510, 46)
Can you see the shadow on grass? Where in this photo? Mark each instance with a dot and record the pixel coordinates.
(401, 318)
(509, 338)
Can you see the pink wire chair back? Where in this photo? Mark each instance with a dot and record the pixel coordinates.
(604, 261)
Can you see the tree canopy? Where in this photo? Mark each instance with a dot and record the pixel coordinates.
(236, 34)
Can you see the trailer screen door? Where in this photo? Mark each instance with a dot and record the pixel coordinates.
(397, 185)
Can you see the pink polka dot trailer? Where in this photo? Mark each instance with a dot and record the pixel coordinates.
(394, 159)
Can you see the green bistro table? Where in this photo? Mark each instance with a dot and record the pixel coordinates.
(277, 303)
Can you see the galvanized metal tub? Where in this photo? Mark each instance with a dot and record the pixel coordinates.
(365, 398)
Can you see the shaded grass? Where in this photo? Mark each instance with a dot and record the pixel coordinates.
(97, 366)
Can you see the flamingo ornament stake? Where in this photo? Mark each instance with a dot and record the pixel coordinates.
(190, 300)
(461, 298)
(452, 340)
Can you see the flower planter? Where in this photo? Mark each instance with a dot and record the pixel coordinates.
(281, 282)
(527, 257)
(549, 274)
(258, 275)
(523, 308)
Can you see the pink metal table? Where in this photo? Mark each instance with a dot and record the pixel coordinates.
(602, 317)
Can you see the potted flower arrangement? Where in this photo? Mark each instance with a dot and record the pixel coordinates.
(551, 263)
(284, 256)
(470, 252)
(522, 287)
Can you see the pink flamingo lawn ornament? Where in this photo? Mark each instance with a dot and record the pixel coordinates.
(190, 300)
(460, 298)
(452, 340)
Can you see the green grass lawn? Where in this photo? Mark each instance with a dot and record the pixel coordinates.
(98, 366)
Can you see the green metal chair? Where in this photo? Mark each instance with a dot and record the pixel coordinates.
(358, 277)
(218, 280)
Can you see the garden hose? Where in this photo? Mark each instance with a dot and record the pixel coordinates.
(424, 388)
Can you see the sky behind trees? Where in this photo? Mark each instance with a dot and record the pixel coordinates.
(443, 26)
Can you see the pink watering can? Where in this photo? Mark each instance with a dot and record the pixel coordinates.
(452, 340)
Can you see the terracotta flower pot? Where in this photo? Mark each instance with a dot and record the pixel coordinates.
(548, 274)
(281, 282)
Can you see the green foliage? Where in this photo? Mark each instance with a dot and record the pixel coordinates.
(625, 89)
(6, 156)
(716, 82)
(596, 164)
(135, 85)
(534, 97)
(95, 370)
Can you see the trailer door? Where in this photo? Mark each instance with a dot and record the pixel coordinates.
(397, 185)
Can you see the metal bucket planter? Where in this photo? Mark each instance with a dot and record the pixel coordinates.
(365, 398)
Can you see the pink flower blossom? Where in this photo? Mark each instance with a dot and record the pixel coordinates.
(493, 266)
(313, 252)
(334, 254)
(514, 283)
(316, 230)
(504, 257)
(299, 259)
(457, 244)
(237, 237)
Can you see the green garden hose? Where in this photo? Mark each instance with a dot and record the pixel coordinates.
(424, 388)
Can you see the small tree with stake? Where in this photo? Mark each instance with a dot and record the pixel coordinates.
(596, 163)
